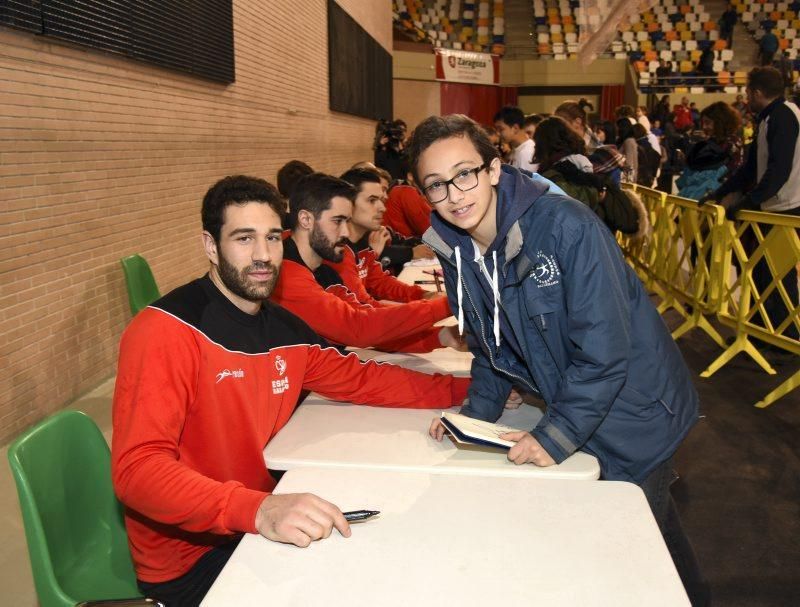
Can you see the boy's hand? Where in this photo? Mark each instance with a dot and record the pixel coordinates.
(527, 450)
(299, 519)
(514, 400)
(437, 429)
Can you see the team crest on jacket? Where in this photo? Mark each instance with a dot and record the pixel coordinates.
(280, 365)
(545, 270)
(281, 385)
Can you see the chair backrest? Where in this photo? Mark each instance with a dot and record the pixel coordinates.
(74, 526)
(142, 287)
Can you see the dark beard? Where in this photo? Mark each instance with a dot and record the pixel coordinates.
(324, 248)
(237, 282)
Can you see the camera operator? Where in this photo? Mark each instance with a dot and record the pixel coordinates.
(390, 148)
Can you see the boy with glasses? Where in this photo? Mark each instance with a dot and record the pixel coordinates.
(551, 306)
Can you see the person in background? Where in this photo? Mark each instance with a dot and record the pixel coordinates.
(740, 106)
(695, 113)
(705, 67)
(648, 158)
(710, 160)
(641, 117)
(683, 116)
(389, 147)
(626, 144)
(748, 130)
(503, 149)
(626, 111)
(767, 47)
(531, 122)
(769, 180)
(656, 129)
(574, 112)
(510, 124)
(662, 110)
(552, 306)
(664, 76)
(561, 156)
(726, 24)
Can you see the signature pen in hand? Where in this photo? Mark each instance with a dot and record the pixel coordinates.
(359, 515)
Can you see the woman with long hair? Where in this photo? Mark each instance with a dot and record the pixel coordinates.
(561, 154)
(626, 144)
(605, 158)
(710, 160)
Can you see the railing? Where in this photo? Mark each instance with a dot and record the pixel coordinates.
(744, 273)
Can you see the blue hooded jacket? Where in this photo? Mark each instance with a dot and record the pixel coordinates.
(575, 326)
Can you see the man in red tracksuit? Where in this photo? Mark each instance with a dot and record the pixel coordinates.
(360, 268)
(321, 207)
(207, 375)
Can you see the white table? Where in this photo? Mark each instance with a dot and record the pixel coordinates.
(446, 540)
(325, 434)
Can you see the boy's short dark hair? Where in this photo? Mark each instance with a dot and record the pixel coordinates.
(511, 115)
(314, 193)
(237, 189)
(767, 79)
(533, 119)
(435, 128)
(357, 177)
(289, 174)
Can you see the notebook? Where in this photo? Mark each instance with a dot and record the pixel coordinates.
(469, 431)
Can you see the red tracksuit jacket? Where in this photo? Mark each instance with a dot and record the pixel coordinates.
(201, 389)
(322, 299)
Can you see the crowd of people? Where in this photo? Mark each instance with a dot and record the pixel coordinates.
(520, 216)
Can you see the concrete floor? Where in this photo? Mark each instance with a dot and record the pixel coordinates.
(739, 491)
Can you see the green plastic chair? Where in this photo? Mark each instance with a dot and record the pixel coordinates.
(73, 522)
(142, 287)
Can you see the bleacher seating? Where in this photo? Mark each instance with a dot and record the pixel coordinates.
(469, 26)
(783, 18)
(674, 30)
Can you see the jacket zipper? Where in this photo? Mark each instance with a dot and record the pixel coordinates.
(486, 343)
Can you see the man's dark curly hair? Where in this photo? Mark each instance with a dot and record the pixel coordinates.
(237, 189)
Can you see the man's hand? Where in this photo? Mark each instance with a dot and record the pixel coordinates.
(299, 519)
(422, 251)
(514, 400)
(433, 295)
(527, 449)
(449, 338)
(378, 239)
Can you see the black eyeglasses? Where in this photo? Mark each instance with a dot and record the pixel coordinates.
(465, 180)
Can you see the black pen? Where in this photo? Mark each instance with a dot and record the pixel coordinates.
(359, 515)
(426, 282)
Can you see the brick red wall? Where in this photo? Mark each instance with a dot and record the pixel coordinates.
(101, 157)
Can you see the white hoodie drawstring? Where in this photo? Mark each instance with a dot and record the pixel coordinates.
(459, 293)
(496, 295)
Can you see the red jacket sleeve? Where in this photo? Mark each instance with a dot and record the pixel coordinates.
(347, 378)
(340, 318)
(407, 211)
(348, 270)
(156, 383)
(424, 341)
(382, 285)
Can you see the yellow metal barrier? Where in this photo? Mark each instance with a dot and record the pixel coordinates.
(766, 251)
(642, 254)
(680, 263)
(688, 261)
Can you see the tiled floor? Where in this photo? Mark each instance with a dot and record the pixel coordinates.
(739, 492)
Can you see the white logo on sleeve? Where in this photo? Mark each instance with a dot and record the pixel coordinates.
(545, 270)
(279, 386)
(236, 373)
